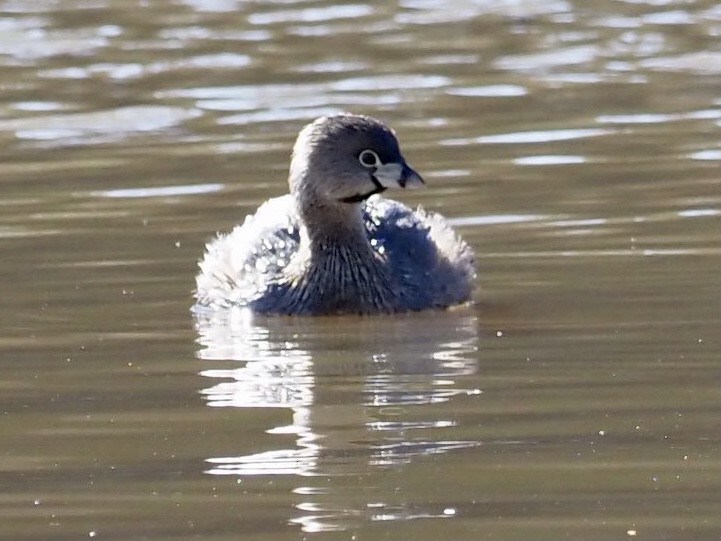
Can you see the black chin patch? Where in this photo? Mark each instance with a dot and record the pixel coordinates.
(363, 196)
(358, 198)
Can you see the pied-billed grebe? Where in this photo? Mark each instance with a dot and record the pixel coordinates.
(332, 245)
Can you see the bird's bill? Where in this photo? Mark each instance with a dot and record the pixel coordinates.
(393, 175)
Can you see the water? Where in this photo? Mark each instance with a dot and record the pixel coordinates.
(575, 146)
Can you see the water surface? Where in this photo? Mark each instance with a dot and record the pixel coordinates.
(576, 147)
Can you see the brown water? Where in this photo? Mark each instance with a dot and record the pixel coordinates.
(576, 146)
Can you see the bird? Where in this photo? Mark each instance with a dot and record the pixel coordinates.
(333, 244)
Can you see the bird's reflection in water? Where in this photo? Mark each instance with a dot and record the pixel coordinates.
(366, 394)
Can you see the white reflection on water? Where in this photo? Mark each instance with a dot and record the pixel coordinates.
(353, 386)
(712, 155)
(488, 91)
(550, 160)
(160, 191)
(111, 124)
(538, 62)
(702, 62)
(300, 101)
(29, 39)
(699, 213)
(125, 71)
(658, 118)
(545, 136)
(307, 15)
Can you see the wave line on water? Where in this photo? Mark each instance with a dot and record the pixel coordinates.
(160, 191)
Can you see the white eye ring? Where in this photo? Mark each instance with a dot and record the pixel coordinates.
(369, 159)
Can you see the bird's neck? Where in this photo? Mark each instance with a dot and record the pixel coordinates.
(348, 278)
(341, 266)
(329, 223)
(345, 240)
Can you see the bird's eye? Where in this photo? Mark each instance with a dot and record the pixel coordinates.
(369, 159)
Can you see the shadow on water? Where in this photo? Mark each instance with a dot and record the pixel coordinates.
(352, 385)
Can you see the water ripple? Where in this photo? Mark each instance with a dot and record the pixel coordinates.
(552, 159)
(546, 136)
(71, 126)
(488, 91)
(311, 15)
(160, 191)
